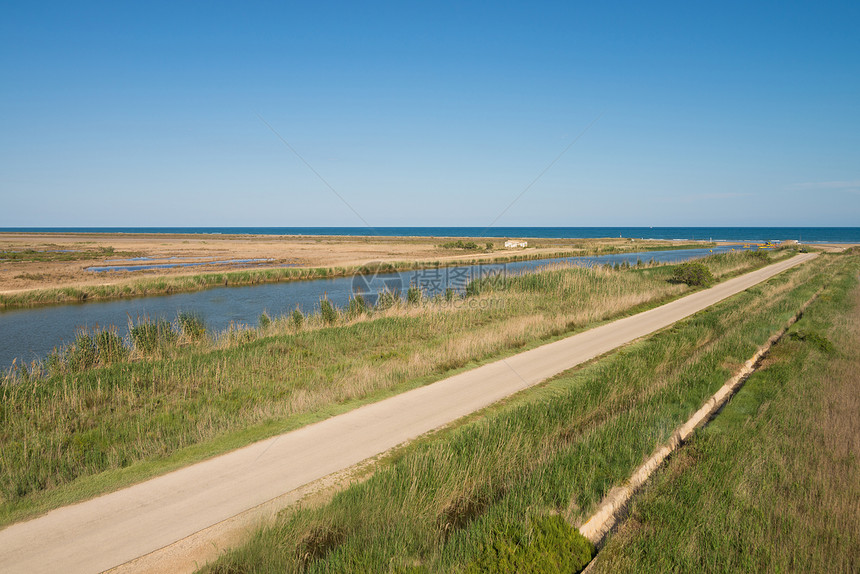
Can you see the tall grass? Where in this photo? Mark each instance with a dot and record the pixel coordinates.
(68, 424)
(466, 500)
(772, 484)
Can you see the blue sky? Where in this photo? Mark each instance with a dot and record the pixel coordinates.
(136, 114)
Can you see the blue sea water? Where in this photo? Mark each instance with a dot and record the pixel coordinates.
(803, 234)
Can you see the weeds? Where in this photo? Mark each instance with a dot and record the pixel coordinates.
(110, 346)
(549, 545)
(191, 326)
(387, 300)
(413, 295)
(151, 336)
(264, 321)
(357, 307)
(297, 319)
(328, 311)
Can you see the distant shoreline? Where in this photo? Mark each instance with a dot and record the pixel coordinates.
(810, 235)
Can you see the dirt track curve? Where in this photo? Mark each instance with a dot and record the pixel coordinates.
(115, 528)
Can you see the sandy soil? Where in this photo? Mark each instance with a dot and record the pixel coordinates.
(278, 251)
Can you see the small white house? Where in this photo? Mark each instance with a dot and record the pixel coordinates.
(512, 243)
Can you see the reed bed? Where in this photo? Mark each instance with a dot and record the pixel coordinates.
(474, 498)
(178, 387)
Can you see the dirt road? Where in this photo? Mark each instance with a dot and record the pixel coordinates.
(115, 528)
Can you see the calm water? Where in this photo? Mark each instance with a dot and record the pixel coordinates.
(805, 234)
(28, 334)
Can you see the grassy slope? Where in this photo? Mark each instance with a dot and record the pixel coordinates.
(74, 435)
(773, 484)
(469, 496)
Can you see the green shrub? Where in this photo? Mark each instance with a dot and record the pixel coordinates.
(357, 306)
(297, 318)
(693, 274)
(265, 320)
(191, 326)
(816, 339)
(460, 244)
(83, 354)
(110, 347)
(387, 299)
(550, 545)
(149, 336)
(413, 295)
(328, 311)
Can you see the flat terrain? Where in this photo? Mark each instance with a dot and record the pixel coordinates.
(57, 260)
(121, 526)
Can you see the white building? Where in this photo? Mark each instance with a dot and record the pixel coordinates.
(511, 243)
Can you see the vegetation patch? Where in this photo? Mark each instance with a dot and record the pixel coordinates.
(169, 390)
(813, 338)
(771, 484)
(695, 274)
(460, 244)
(460, 500)
(550, 544)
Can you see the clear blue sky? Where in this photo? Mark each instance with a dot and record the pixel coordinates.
(135, 114)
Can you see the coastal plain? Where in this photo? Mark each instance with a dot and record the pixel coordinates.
(33, 261)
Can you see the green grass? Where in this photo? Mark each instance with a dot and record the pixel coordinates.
(50, 255)
(467, 499)
(77, 432)
(773, 484)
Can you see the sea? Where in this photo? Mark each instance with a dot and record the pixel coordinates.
(801, 234)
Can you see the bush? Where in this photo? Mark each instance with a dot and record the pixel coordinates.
(297, 318)
(693, 274)
(149, 336)
(265, 320)
(357, 306)
(413, 295)
(553, 545)
(387, 299)
(110, 346)
(191, 326)
(83, 354)
(460, 244)
(328, 311)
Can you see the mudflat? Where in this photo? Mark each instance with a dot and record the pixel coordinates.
(30, 261)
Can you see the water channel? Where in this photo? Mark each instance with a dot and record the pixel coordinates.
(31, 333)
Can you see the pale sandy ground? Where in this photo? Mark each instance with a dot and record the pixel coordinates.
(280, 251)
